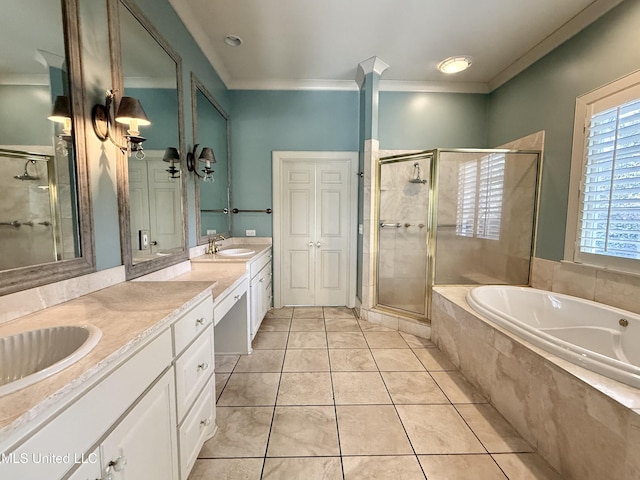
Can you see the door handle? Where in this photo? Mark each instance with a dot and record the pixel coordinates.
(310, 244)
(318, 244)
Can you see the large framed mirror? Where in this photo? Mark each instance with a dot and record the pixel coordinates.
(152, 199)
(45, 223)
(210, 130)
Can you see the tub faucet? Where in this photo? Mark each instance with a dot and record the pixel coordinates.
(213, 247)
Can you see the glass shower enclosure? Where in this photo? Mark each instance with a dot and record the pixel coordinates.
(453, 217)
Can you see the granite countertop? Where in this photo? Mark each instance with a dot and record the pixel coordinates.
(128, 314)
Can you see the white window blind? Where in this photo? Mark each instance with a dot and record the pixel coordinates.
(480, 193)
(610, 219)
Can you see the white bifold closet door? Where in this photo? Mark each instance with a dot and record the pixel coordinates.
(316, 230)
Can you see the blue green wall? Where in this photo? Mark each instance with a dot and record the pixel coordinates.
(263, 121)
(543, 98)
(422, 121)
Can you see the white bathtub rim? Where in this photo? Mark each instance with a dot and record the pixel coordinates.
(606, 366)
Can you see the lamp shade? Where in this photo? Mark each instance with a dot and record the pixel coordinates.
(130, 110)
(171, 154)
(207, 155)
(60, 111)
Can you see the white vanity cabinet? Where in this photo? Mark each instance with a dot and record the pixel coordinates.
(260, 289)
(144, 444)
(194, 366)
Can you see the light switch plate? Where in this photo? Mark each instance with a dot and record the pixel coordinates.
(211, 232)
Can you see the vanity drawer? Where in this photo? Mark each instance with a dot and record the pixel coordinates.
(259, 263)
(192, 323)
(197, 428)
(227, 303)
(193, 369)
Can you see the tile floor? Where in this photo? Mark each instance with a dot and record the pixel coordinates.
(325, 396)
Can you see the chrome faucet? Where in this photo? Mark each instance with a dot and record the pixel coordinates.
(213, 247)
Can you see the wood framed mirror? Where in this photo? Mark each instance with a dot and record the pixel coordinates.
(211, 130)
(46, 230)
(152, 204)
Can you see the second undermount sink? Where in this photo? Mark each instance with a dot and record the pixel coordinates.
(235, 252)
(28, 357)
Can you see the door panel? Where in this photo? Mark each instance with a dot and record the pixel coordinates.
(315, 191)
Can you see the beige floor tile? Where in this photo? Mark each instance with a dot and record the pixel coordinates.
(346, 340)
(397, 360)
(270, 341)
(307, 340)
(307, 468)
(461, 467)
(284, 312)
(457, 388)
(227, 469)
(371, 430)
(418, 342)
(385, 340)
(307, 325)
(359, 388)
(275, 324)
(526, 466)
(308, 312)
(373, 327)
(413, 388)
(352, 360)
(433, 359)
(338, 312)
(303, 432)
(250, 389)
(438, 429)
(242, 432)
(306, 360)
(226, 363)
(492, 429)
(261, 361)
(341, 325)
(305, 389)
(404, 467)
(221, 381)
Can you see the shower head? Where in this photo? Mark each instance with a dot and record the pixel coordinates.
(417, 179)
(26, 175)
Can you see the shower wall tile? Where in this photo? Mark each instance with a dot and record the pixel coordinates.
(542, 273)
(414, 327)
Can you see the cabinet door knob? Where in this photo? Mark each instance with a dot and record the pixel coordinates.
(203, 366)
(200, 321)
(261, 280)
(318, 244)
(236, 297)
(206, 422)
(311, 244)
(116, 465)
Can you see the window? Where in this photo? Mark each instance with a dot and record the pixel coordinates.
(480, 188)
(606, 173)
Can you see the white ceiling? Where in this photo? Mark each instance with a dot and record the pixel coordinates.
(318, 44)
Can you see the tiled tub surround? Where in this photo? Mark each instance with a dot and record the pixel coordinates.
(325, 396)
(584, 424)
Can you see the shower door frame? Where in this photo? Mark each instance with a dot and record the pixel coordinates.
(426, 154)
(432, 216)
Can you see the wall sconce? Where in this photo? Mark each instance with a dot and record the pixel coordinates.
(60, 113)
(207, 157)
(131, 113)
(171, 155)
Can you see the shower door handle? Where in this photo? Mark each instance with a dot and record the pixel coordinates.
(396, 225)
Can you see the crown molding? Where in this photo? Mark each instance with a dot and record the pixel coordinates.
(370, 65)
(287, 84)
(583, 19)
(433, 87)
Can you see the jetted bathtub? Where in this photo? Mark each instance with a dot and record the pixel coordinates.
(600, 338)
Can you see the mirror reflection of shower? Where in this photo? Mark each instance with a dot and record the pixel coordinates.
(38, 223)
(417, 179)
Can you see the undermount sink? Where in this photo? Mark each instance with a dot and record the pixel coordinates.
(235, 252)
(28, 357)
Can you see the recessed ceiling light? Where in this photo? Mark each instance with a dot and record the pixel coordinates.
(454, 64)
(233, 40)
